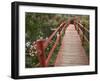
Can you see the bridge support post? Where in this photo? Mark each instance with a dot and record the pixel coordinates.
(75, 22)
(78, 28)
(60, 37)
(41, 55)
(78, 24)
(83, 37)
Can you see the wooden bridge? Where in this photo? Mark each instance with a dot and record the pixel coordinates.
(71, 52)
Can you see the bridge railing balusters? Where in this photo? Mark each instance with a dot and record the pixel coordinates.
(41, 53)
(84, 31)
(42, 44)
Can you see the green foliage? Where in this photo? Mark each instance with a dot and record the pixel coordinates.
(39, 25)
(85, 21)
(31, 61)
(86, 47)
(36, 26)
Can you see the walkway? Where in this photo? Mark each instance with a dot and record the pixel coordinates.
(71, 50)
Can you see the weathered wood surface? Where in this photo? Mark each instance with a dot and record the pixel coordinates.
(72, 50)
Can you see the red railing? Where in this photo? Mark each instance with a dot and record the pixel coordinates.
(42, 44)
(82, 31)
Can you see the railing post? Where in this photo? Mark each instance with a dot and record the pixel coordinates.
(59, 32)
(59, 35)
(40, 50)
(65, 28)
(78, 28)
(68, 22)
(78, 24)
(75, 22)
(83, 37)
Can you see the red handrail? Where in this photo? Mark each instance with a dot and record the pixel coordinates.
(42, 45)
(41, 55)
(53, 34)
(52, 50)
(83, 29)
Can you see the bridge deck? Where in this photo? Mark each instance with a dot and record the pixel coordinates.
(71, 50)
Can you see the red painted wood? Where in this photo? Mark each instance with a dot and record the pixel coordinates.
(58, 58)
(58, 40)
(41, 45)
(41, 54)
(51, 51)
(52, 35)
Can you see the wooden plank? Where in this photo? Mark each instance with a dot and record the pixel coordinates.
(72, 51)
